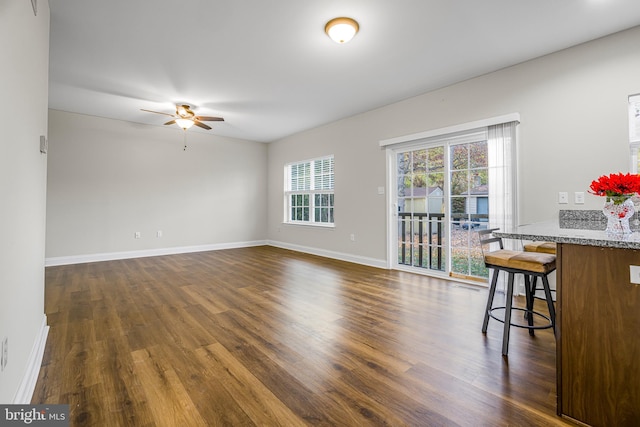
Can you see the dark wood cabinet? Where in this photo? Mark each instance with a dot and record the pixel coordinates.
(598, 336)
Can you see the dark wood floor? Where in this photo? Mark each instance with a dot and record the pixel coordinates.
(265, 336)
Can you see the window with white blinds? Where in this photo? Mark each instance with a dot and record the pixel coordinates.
(309, 192)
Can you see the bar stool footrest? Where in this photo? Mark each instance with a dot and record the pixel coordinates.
(518, 325)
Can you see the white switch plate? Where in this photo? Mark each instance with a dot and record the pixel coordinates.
(4, 353)
(44, 144)
(380, 190)
(578, 197)
(563, 197)
(634, 271)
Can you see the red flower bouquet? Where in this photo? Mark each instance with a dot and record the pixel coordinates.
(616, 187)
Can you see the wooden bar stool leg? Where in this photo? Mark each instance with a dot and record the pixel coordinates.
(492, 293)
(507, 315)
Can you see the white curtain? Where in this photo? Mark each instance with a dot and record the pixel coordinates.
(503, 202)
(502, 162)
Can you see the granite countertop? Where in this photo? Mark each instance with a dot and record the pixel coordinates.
(574, 230)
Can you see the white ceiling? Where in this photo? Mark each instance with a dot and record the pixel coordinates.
(268, 68)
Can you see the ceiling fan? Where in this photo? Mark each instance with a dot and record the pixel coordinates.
(185, 117)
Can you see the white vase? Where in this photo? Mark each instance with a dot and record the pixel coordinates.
(618, 216)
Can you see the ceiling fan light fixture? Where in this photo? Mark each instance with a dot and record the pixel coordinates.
(185, 118)
(183, 110)
(184, 123)
(342, 29)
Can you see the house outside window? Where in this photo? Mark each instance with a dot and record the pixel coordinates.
(309, 192)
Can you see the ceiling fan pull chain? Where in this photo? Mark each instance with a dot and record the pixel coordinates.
(185, 140)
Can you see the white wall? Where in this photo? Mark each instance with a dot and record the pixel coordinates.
(573, 108)
(108, 179)
(24, 48)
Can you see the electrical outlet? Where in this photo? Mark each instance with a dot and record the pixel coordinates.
(578, 197)
(159, 233)
(634, 273)
(353, 237)
(137, 235)
(4, 353)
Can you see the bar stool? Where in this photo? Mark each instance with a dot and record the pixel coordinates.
(529, 264)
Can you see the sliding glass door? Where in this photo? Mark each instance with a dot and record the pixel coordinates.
(421, 208)
(469, 201)
(442, 199)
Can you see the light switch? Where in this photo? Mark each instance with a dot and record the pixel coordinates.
(563, 197)
(44, 144)
(634, 271)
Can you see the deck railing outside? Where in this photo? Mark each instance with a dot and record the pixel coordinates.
(428, 235)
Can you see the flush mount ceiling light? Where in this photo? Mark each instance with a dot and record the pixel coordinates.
(341, 30)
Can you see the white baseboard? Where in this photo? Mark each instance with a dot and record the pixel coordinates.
(356, 259)
(28, 384)
(81, 259)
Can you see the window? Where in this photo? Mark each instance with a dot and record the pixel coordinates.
(309, 192)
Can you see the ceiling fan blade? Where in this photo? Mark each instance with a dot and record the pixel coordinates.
(157, 112)
(209, 119)
(170, 122)
(202, 125)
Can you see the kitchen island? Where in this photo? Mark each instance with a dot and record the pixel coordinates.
(598, 320)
